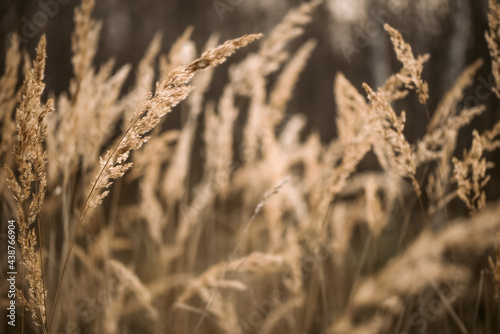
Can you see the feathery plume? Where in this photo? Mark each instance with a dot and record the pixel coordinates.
(272, 49)
(411, 75)
(31, 159)
(174, 183)
(283, 89)
(84, 40)
(400, 153)
(8, 98)
(150, 112)
(447, 106)
(470, 189)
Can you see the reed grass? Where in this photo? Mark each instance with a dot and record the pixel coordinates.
(240, 221)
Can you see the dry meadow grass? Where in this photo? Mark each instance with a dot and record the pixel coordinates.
(279, 232)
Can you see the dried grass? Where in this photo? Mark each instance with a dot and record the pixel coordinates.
(30, 160)
(192, 240)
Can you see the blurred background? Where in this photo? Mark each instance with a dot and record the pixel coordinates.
(350, 39)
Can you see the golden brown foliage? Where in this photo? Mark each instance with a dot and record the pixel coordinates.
(244, 219)
(31, 160)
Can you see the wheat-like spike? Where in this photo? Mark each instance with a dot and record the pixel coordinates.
(145, 76)
(440, 144)
(355, 140)
(470, 189)
(31, 160)
(436, 143)
(272, 49)
(70, 121)
(283, 89)
(280, 96)
(173, 186)
(253, 128)
(101, 114)
(150, 112)
(8, 84)
(447, 105)
(353, 111)
(8, 99)
(210, 137)
(438, 180)
(356, 119)
(493, 39)
(392, 131)
(84, 39)
(224, 158)
(412, 74)
(249, 77)
(489, 138)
